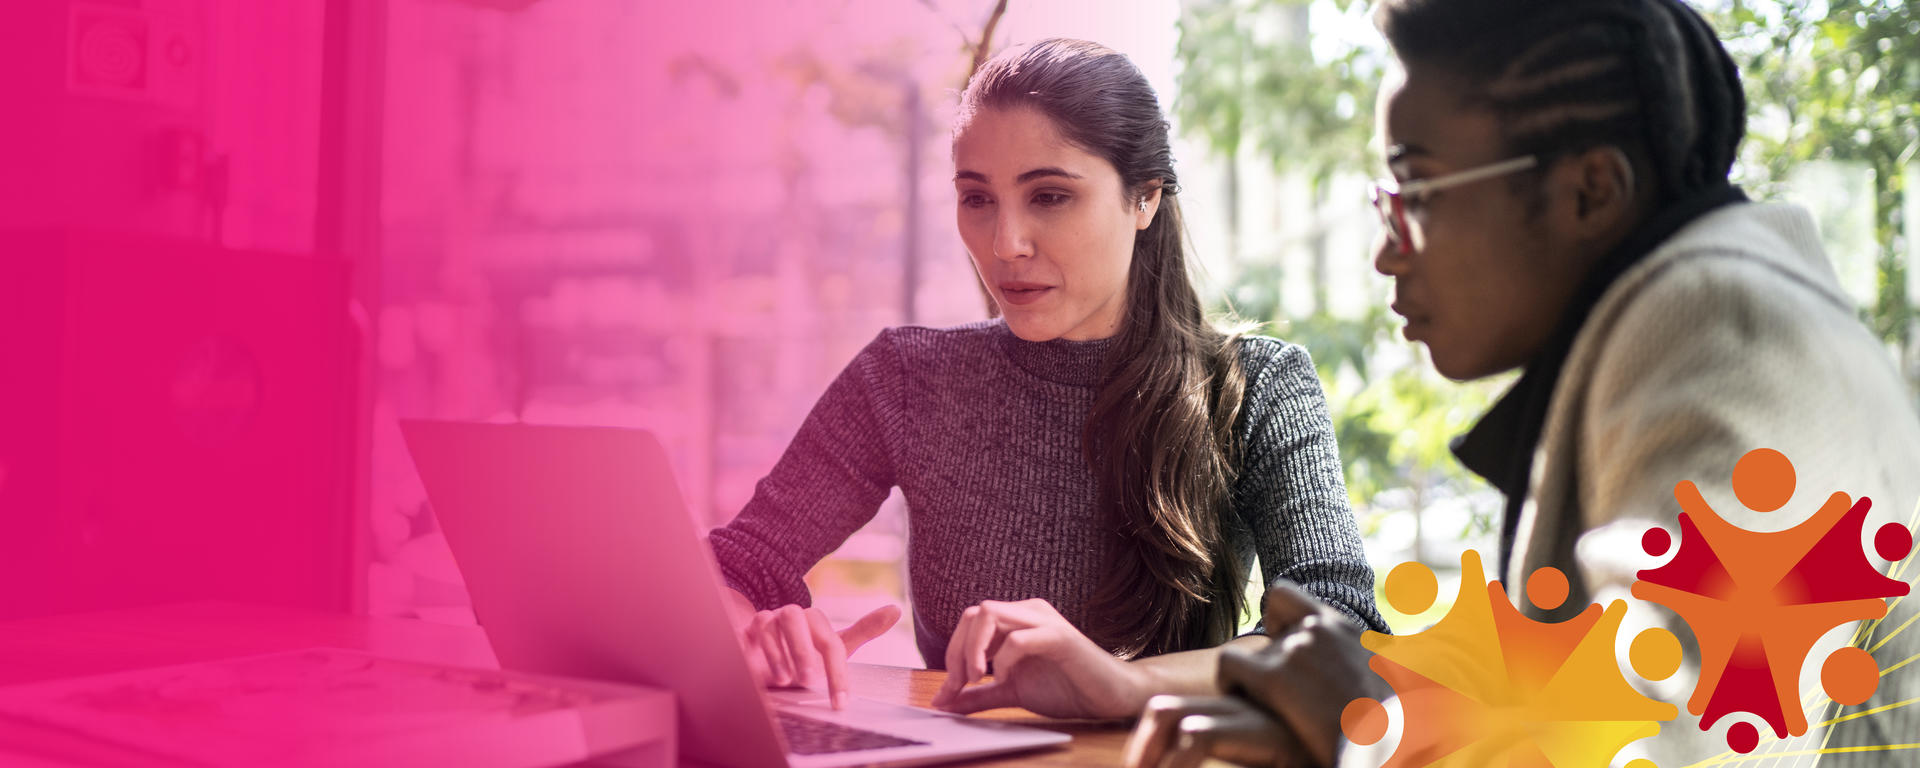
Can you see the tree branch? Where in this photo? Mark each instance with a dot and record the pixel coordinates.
(985, 45)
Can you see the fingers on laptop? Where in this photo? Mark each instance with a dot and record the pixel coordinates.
(786, 642)
(794, 646)
(980, 698)
(797, 633)
(979, 636)
(766, 633)
(756, 655)
(832, 652)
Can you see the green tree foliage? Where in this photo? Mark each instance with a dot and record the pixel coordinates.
(1837, 80)
(1251, 80)
(1255, 84)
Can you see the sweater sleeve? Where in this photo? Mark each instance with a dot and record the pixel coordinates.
(831, 480)
(1291, 495)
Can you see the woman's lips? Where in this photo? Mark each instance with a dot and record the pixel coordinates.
(1024, 293)
(1416, 323)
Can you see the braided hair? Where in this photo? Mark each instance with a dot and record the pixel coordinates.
(1647, 76)
(1561, 77)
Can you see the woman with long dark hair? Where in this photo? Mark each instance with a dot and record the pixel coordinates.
(1089, 477)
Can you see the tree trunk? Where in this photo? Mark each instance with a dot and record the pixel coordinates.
(1893, 311)
(1419, 516)
(1317, 246)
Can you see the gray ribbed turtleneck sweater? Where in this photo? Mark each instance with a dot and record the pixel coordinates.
(981, 432)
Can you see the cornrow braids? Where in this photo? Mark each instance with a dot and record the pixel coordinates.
(1564, 76)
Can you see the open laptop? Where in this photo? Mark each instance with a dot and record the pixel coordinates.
(582, 560)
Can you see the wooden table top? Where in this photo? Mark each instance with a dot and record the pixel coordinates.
(98, 643)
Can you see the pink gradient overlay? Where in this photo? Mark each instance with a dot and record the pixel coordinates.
(240, 240)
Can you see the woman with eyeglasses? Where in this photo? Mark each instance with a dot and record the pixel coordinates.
(1560, 204)
(1089, 477)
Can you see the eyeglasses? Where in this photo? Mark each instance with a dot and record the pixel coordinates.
(1392, 203)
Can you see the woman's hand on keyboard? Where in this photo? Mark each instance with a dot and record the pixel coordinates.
(1040, 662)
(795, 646)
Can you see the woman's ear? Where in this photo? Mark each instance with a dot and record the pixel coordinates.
(1605, 199)
(1146, 207)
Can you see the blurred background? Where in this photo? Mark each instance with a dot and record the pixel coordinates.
(243, 239)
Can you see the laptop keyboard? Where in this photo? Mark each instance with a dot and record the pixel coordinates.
(806, 736)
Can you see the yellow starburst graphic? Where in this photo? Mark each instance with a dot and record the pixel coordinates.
(1488, 686)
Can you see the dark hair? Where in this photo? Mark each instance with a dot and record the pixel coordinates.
(1647, 76)
(1161, 436)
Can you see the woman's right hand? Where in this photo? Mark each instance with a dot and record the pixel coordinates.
(795, 646)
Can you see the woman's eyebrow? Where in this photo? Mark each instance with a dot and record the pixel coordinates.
(1041, 173)
(1037, 173)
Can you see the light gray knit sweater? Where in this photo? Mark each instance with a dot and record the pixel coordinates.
(981, 432)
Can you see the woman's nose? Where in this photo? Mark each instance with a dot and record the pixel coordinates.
(1387, 256)
(1011, 239)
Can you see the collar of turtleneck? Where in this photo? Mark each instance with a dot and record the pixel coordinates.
(1073, 363)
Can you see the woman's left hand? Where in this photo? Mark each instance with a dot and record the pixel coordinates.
(1040, 662)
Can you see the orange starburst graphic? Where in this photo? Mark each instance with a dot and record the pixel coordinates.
(1488, 686)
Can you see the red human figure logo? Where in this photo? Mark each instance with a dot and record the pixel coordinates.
(1757, 602)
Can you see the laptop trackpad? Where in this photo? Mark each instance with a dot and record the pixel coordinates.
(811, 703)
(815, 703)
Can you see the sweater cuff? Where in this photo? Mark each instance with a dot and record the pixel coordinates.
(765, 591)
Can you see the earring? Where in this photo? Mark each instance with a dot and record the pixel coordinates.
(1143, 206)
